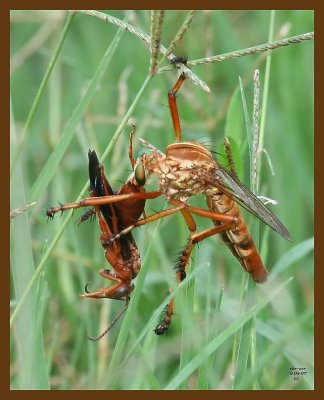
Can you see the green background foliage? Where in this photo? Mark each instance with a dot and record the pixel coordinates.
(213, 343)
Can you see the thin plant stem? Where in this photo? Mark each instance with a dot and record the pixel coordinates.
(258, 140)
(179, 35)
(251, 50)
(254, 177)
(157, 17)
(146, 38)
(264, 105)
(41, 91)
(69, 130)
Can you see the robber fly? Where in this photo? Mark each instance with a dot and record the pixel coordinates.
(188, 169)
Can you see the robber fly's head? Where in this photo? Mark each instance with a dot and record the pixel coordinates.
(139, 173)
(139, 169)
(146, 161)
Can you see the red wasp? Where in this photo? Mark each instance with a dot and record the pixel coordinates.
(115, 212)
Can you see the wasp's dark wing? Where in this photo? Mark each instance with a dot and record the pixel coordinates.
(96, 181)
(231, 186)
(100, 187)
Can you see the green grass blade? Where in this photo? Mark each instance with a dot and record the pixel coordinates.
(205, 372)
(221, 338)
(41, 90)
(291, 256)
(265, 100)
(243, 352)
(266, 359)
(27, 332)
(70, 129)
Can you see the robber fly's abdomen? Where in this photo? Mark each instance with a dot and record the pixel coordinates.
(238, 239)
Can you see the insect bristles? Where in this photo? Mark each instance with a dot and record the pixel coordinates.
(162, 321)
(88, 214)
(229, 156)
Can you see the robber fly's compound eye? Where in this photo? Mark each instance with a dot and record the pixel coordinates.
(140, 174)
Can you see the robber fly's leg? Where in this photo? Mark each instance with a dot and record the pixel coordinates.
(87, 215)
(173, 106)
(187, 251)
(131, 155)
(97, 201)
(182, 267)
(229, 156)
(144, 221)
(130, 148)
(181, 270)
(184, 208)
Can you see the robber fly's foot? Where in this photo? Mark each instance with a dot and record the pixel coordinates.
(50, 214)
(89, 214)
(161, 329)
(111, 240)
(52, 211)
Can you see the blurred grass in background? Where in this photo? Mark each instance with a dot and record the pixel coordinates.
(49, 347)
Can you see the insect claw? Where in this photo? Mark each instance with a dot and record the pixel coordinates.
(181, 272)
(160, 330)
(86, 287)
(111, 240)
(49, 214)
(179, 60)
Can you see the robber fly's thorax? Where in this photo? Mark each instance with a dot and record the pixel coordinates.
(184, 170)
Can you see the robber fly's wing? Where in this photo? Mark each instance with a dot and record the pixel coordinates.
(235, 189)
